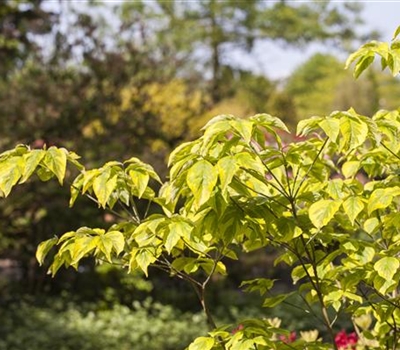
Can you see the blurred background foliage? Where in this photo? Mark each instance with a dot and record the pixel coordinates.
(136, 78)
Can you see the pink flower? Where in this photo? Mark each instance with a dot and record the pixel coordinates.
(346, 341)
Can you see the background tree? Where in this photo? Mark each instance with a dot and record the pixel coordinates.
(20, 21)
(321, 84)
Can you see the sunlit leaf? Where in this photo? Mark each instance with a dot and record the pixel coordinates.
(10, 172)
(381, 198)
(144, 257)
(44, 248)
(331, 128)
(32, 160)
(353, 132)
(387, 267)
(202, 343)
(56, 161)
(140, 179)
(117, 239)
(306, 126)
(201, 179)
(396, 33)
(227, 167)
(243, 127)
(353, 206)
(103, 186)
(350, 168)
(323, 211)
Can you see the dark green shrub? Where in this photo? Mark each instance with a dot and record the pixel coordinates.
(148, 326)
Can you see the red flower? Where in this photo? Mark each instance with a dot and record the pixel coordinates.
(237, 329)
(288, 338)
(346, 341)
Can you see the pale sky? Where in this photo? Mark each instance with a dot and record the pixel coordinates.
(276, 63)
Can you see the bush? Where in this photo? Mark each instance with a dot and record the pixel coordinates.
(146, 326)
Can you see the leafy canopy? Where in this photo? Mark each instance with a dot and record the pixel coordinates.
(328, 201)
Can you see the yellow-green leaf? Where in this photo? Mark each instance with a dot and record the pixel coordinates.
(81, 247)
(352, 207)
(103, 187)
(305, 126)
(387, 267)
(144, 258)
(349, 169)
(76, 189)
(243, 127)
(202, 343)
(226, 170)
(322, 212)
(201, 179)
(117, 239)
(56, 161)
(10, 172)
(140, 179)
(32, 160)
(44, 248)
(354, 132)
(331, 128)
(396, 33)
(172, 239)
(379, 199)
(105, 245)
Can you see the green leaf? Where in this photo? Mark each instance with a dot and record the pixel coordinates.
(44, 248)
(76, 189)
(140, 179)
(349, 169)
(81, 247)
(243, 127)
(334, 189)
(144, 258)
(262, 285)
(365, 256)
(323, 211)
(387, 267)
(117, 239)
(182, 228)
(201, 179)
(172, 239)
(305, 126)
(354, 132)
(88, 178)
(105, 245)
(270, 122)
(396, 33)
(202, 343)
(32, 160)
(103, 186)
(363, 63)
(383, 285)
(244, 344)
(44, 174)
(227, 168)
(370, 225)
(56, 161)
(10, 172)
(381, 198)
(331, 128)
(352, 207)
(273, 301)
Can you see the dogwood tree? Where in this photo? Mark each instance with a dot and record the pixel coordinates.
(326, 198)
